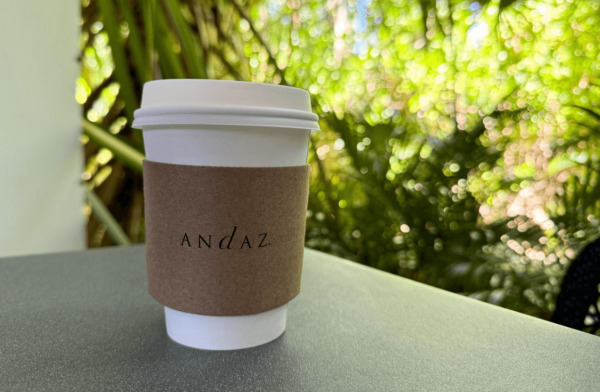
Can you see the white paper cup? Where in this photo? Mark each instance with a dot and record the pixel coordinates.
(225, 123)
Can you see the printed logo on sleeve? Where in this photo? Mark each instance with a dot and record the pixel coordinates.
(227, 242)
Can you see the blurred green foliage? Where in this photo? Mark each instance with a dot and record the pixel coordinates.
(459, 138)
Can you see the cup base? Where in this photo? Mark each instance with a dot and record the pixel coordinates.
(225, 333)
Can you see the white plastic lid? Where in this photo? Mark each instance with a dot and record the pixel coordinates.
(224, 102)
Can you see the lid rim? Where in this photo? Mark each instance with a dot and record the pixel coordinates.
(224, 111)
(220, 119)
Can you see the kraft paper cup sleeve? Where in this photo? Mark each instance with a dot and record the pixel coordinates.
(224, 241)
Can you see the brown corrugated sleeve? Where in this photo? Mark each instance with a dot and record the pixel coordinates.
(224, 241)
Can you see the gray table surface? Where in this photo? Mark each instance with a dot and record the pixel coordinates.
(84, 321)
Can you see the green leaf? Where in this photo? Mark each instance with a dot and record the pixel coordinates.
(114, 230)
(559, 164)
(190, 49)
(135, 43)
(111, 27)
(131, 157)
(171, 66)
(525, 170)
(149, 13)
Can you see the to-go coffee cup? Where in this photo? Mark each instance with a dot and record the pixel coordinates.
(225, 124)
